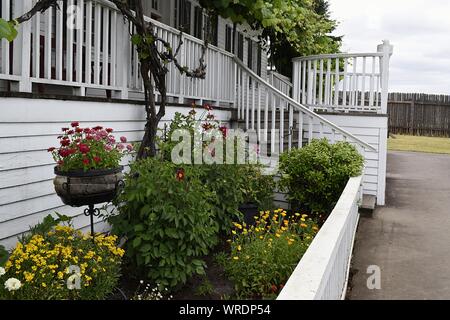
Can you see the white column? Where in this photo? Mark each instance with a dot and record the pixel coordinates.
(387, 49)
(22, 49)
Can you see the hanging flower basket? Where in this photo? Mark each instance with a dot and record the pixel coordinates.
(88, 167)
(79, 188)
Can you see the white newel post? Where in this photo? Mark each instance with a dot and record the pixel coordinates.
(22, 49)
(386, 49)
(123, 59)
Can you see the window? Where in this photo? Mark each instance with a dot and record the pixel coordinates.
(228, 38)
(198, 23)
(259, 61)
(240, 51)
(250, 53)
(155, 5)
(183, 15)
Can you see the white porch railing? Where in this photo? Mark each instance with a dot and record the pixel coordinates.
(344, 82)
(97, 53)
(263, 108)
(280, 82)
(322, 273)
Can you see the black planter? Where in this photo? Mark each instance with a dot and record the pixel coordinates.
(81, 188)
(249, 210)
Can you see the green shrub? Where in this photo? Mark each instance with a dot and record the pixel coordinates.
(40, 268)
(316, 175)
(234, 185)
(263, 256)
(167, 218)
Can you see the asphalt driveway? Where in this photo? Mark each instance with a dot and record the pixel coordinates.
(409, 238)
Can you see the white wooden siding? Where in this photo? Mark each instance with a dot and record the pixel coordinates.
(372, 130)
(27, 128)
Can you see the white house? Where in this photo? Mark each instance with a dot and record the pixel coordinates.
(51, 75)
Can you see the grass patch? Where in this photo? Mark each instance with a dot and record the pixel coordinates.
(419, 144)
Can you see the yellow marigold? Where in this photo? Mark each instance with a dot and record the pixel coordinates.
(239, 248)
(303, 225)
(235, 258)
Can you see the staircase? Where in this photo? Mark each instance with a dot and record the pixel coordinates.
(279, 120)
(282, 123)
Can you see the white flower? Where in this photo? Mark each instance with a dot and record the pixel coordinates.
(2, 271)
(12, 284)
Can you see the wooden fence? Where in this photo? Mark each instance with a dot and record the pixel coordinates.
(419, 114)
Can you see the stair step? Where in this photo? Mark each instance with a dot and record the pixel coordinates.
(368, 205)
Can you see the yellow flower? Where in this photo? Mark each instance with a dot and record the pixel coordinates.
(239, 248)
(297, 214)
(236, 258)
(303, 225)
(303, 219)
(233, 232)
(277, 235)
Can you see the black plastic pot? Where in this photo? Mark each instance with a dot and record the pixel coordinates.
(249, 210)
(81, 188)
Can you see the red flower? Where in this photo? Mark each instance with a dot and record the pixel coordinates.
(70, 132)
(60, 162)
(63, 152)
(97, 159)
(86, 161)
(65, 129)
(208, 107)
(75, 124)
(123, 139)
(87, 130)
(78, 130)
(206, 126)
(210, 116)
(51, 149)
(109, 130)
(130, 147)
(224, 131)
(65, 142)
(89, 137)
(180, 174)
(84, 148)
(97, 128)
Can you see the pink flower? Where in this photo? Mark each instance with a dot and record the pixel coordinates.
(97, 159)
(120, 146)
(108, 147)
(111, 139)
(87, 130)
(224, 131)
(97, 128)
(130, 147)
(109, 130)
(123, 139)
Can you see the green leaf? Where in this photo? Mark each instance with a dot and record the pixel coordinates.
(7, 30)
(136, 242)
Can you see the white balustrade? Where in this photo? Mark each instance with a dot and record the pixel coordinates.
(271, 112)
(96, 53)
(343, 82)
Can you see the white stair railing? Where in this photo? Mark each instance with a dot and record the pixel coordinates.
(263, 108)
(344, 82)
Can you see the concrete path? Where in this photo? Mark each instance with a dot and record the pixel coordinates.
(409, 238)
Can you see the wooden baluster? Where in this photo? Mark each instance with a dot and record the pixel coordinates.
(304, 79)
(59, 41)
(48, 43)
(344, 89)
(258, 123)
(371, 106)
(88, 58)
(363, 85)
(281, 125)
(266, 116)
(300, 129)
(6, 7)
(321, 83)
(253, 104)
(310, 128)
(328, 85)
(291, 125)
(336, 84)
(272, 133)
(97, 35)
(36, 45)
(105, 61)
(79, 44)
(247, 105)
(114, 49)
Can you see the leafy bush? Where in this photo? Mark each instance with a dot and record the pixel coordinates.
(3, 256)
(166, 215)
(316, 175)
(40, 268)
(264, 256)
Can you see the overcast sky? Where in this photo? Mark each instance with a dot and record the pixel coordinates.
(418, 29)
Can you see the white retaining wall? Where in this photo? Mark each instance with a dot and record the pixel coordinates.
(322, 273)
(27, 128)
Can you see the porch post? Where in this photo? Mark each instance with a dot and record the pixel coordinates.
(22, 49)
(386, 49)
(123, 59)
